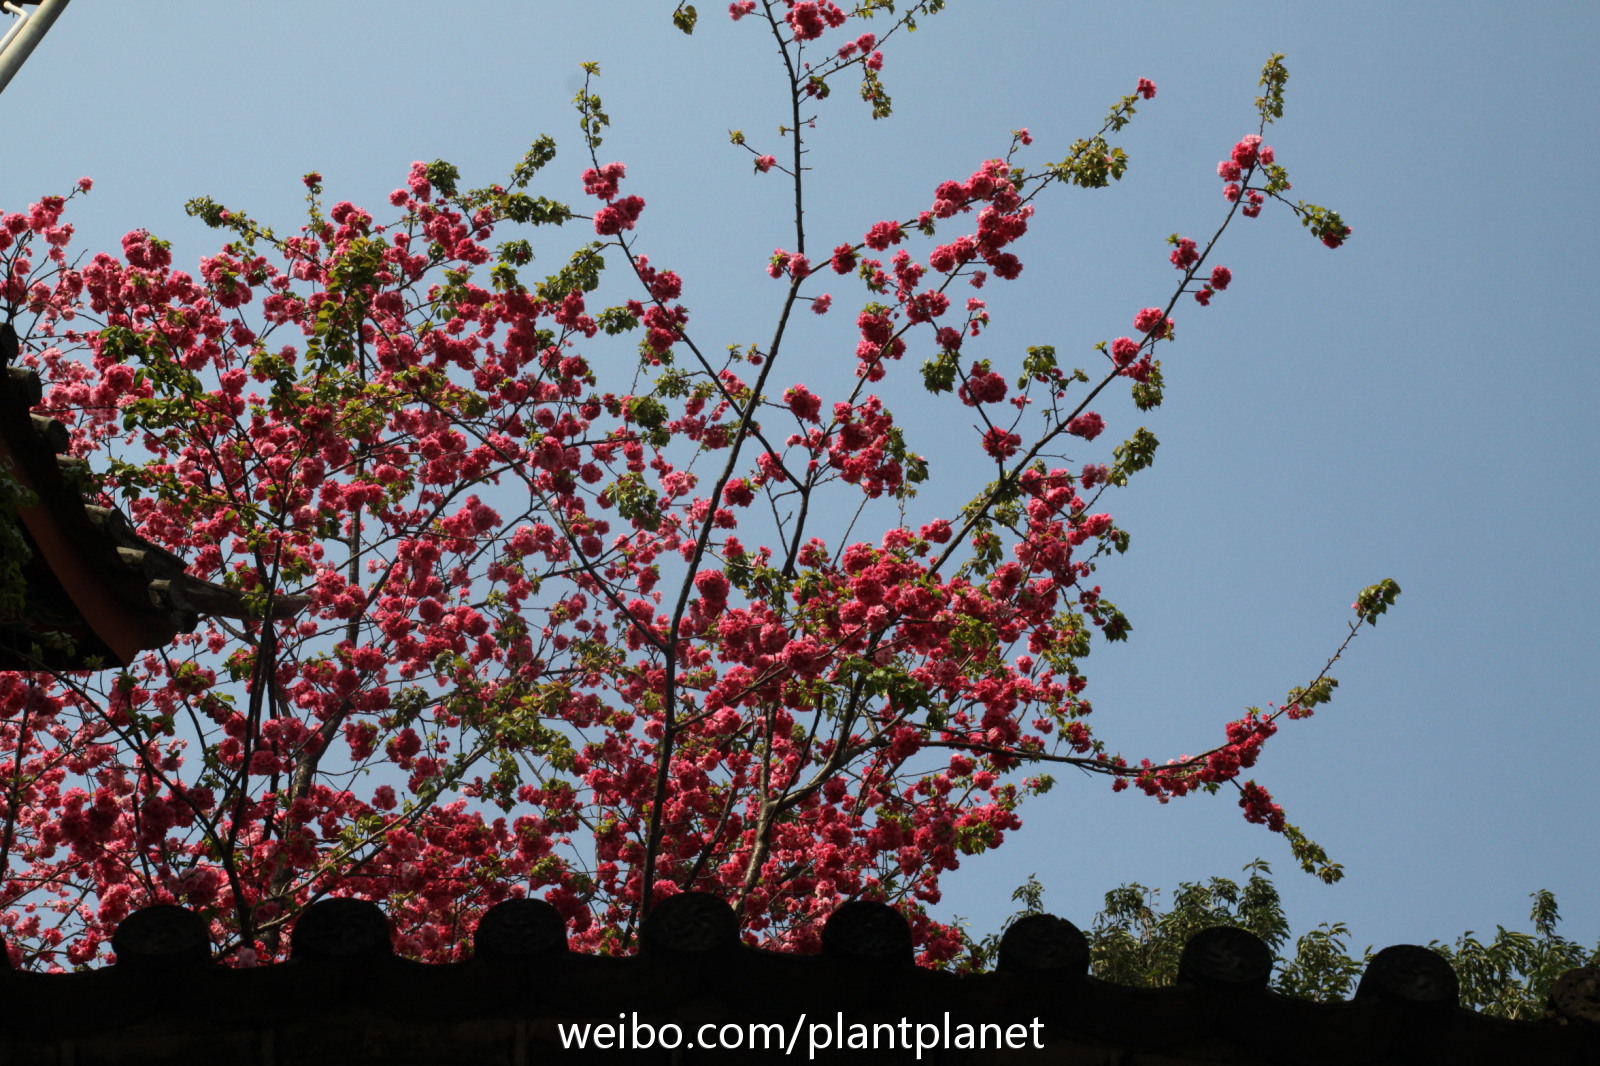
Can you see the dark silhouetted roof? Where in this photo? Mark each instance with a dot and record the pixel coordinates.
(97, 593)
(344, 997)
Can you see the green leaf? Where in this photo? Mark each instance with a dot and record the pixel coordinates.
(1274, 76)
(1133, 455)
(443, 176)
(1376, 600)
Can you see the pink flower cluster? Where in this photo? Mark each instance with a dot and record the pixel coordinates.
(809, 18)
(1185, 255)
(1259, 808)
(1246, 155)
(1221, 278)
(1150, 320)
(1087, 425)
(863, 45)
(602, 182)
(614, 218)
(360, 444)
(782, 262)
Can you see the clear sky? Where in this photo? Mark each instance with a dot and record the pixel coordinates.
(1385, 410)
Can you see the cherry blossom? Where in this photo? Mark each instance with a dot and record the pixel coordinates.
(601, 607)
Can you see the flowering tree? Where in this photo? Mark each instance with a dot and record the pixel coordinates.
(589, 631)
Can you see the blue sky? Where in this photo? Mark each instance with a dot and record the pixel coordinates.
(1385, 410)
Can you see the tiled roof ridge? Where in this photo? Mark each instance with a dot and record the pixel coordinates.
(691, 964)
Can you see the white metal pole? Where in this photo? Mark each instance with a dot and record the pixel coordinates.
(23, 37)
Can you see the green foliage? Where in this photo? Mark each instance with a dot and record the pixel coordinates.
(1040, 363)
(1147, 394)
(1324, 223)
(1376, 599)
(1135, 942)
(615, 320)
(1274, 76)
(939, 373)
(591, 116)
(1511, 976)
(1093, 164)
(1133, 455)
(636, 501)
(443, 176)
(539, 153)
(1312, 859)
(872, 90)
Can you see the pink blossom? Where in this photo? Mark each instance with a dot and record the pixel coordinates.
(1221, 278)
(1146, 88)
(883, 234)
(926, 306)
(1230, 192)
(1005, 265)
(982, 386)
(1228, 170)
(666, 286)
(589, 566)
(739, 10)
(614, 218)
(602, 183)
(1001, 444)
(765, 163)
(1259, 808)
(85, 184)
(311, 180)
(1087, 425)
(713, 585)
(417, 181)
(805, 404)
(947, 257)
(1147, 319)
(1245, 153)
(1267, 156)
(805, 18)
(1185, 255)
